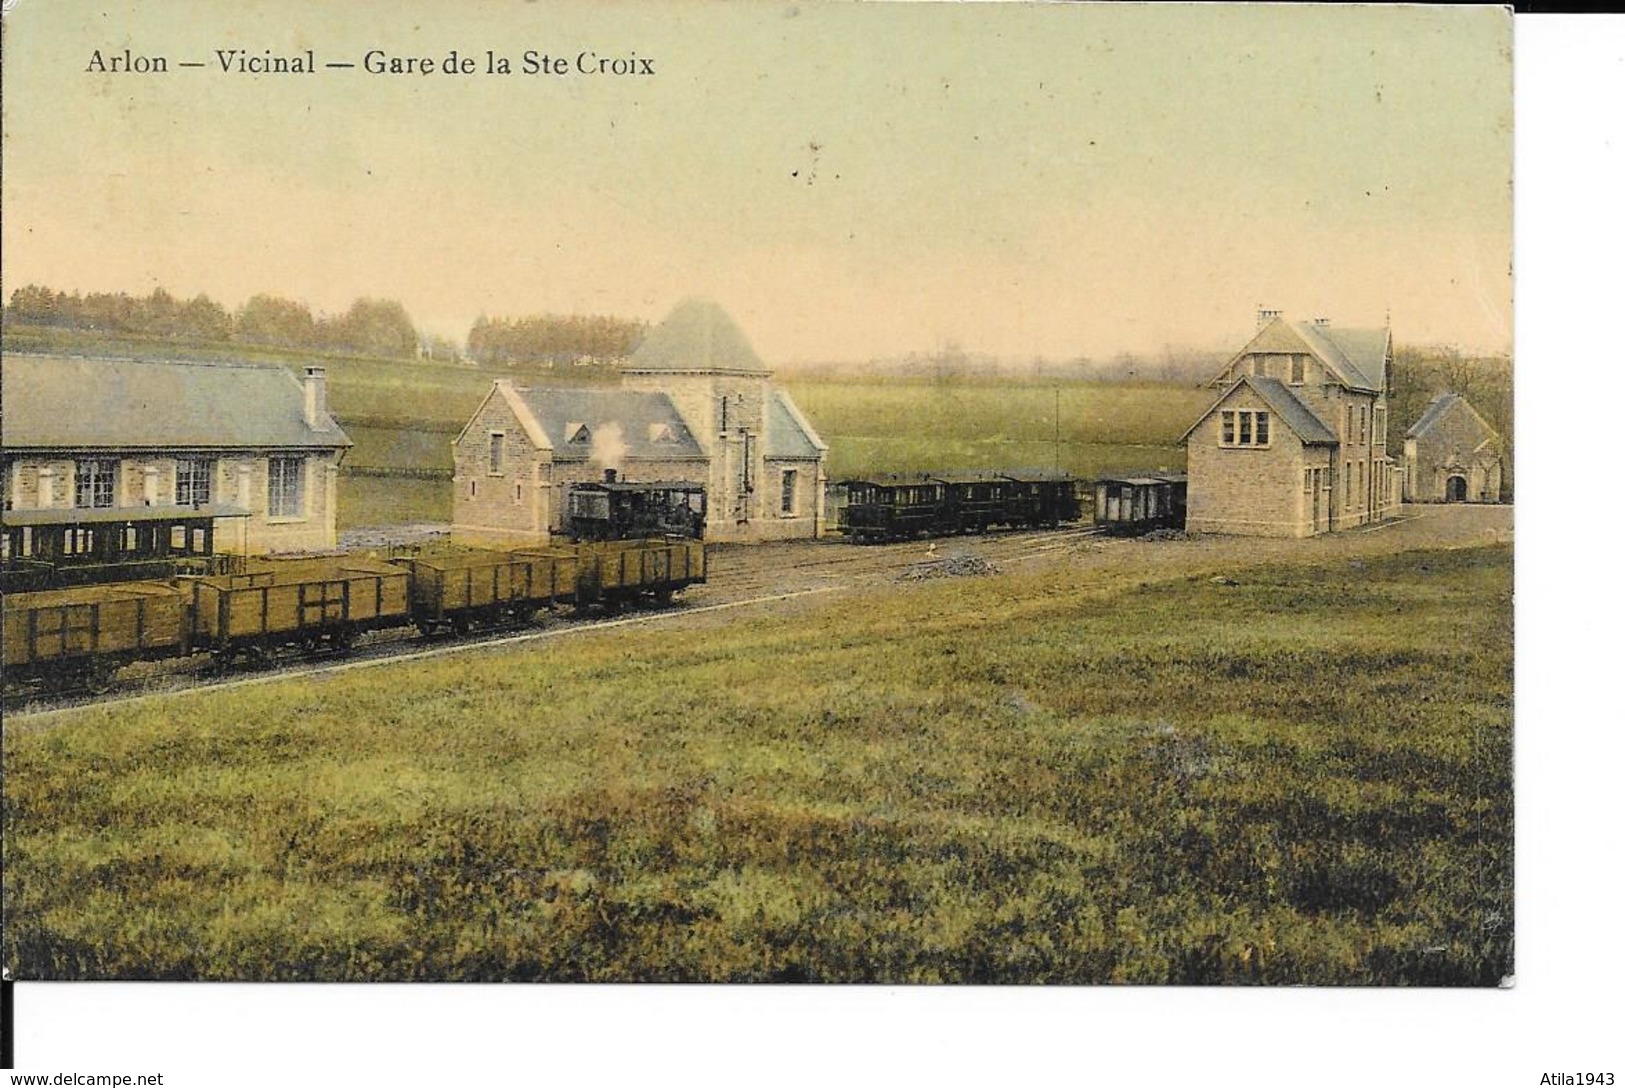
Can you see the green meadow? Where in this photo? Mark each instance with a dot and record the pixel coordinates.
(1300, 777)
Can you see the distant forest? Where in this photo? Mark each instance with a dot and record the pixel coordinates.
(379, 328)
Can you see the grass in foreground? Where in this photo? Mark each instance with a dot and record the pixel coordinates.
(1304, 778)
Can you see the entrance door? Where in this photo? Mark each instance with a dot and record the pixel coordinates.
(1455, 489)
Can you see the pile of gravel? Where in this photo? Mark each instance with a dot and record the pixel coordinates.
(958, 565)
(1165, 534)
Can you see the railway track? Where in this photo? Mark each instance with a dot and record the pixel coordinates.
(740, 576)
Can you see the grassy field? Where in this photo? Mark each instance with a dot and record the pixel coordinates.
(1301, 777)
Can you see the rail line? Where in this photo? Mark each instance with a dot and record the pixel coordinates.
(763, 574)
(378, 655)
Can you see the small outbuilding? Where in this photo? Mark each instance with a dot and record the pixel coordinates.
(1452, 454)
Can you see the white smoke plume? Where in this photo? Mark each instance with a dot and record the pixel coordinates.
(608, 448)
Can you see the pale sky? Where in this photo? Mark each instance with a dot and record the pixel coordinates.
(847, 180)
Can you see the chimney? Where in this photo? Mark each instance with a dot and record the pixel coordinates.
(609, 475)
(316, 417)
(1266, 316)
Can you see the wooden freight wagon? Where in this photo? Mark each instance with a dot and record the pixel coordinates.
(459, 590)
(308, 604)
(622, 570)
(1140, 504)
(81, 636)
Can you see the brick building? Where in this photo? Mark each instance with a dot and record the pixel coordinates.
(107, 457)
(1296, 443)
(695, 404)
(1452, 454)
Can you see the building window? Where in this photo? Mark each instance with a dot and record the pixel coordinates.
(1308, 480)
(787, 494)
(287, 487)
(518, 492)
(1348, 485)
(1297, 370)
(1244, 428)
(1348, 425)
(1260, 366)
(93, 483)
(1363, 437)
(1379, 418)
(194, 478)
(498, 441)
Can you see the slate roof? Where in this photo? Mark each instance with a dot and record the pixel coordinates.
(638, 415)
(1358, 357)
(1361, 354)
(697, 335)
(789, 435)
(1439, 407)
(1284, 403)
(56, 402)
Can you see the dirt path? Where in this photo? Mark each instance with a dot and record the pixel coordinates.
(743, 570)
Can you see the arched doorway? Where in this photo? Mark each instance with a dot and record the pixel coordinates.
(1455, 489)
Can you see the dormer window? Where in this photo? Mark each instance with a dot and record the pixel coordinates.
(577, 434)
(661, 434)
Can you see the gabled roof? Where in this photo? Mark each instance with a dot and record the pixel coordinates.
(640, 424)
(1441, 406)
(1358, 357)
(789, 435)
(1284, 403)
(696, 336)
(58, 402)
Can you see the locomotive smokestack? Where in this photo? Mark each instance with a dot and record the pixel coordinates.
(609, 475)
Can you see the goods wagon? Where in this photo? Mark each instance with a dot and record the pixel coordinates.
(464, 589)
(309, 604)
(620, 570)
(82, 635)
(1129, 505)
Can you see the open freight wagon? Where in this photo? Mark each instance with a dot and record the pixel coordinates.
(307, 604)
(80, 637)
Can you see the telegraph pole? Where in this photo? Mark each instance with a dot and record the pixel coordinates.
(1057, 428)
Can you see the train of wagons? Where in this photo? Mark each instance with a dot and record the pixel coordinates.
(70, 635)
(77, 626)
(898, 507)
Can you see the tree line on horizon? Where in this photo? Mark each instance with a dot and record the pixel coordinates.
(375, 327)
(371, 326)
